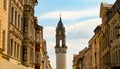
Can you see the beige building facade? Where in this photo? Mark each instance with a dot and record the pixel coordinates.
(79, 60)
(105, 44)
(28, 49)
(3, 27)
(15, 31)
(94, 45)
(104, 38)
(87, 59)
(20, 34)
(113, 19)
(109, 36)
(41, 57)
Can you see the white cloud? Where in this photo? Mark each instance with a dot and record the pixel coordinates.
(49, 32)
(82, 29)
(70, 14)
(78, 36)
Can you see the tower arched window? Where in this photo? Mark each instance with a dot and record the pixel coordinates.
(60, 42)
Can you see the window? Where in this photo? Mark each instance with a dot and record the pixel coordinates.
(12, 14)
(5, 4)
(25, 25)
(25, 21)
(18, 50)
(31, 55)
(24, 53)
(95, 55)
(38, 58)
(15, 49)
(19, 22)
(31, 27)
(60, 43)
(11, 47)
(3, 40)
(15, 18)
(26, 29)
(112, 57)
(95, 42)
(116, 57)
(43, 65)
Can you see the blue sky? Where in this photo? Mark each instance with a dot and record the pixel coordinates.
(80, 17)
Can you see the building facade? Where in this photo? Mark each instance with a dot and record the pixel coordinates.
(87, 59)
(113, 20)
(15, 30)
(110, 15)
(94, 45)
(79, 60)
(38, 45)
(60, 48)
(3, 28)
(105, 42)
(75, 61)
(29, 33)
(104, 38)
(21, 38)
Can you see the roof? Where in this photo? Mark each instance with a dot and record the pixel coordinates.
(60, 24)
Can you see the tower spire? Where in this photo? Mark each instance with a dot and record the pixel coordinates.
(60, 15)
(60, 24)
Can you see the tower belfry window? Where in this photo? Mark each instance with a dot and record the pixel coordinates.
(60, 42)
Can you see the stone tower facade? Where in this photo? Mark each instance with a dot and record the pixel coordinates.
(60, 48)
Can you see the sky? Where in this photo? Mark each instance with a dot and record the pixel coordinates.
(80, 18)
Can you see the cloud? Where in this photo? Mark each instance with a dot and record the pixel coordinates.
(83, 29)
(70, 14)
(49, 32)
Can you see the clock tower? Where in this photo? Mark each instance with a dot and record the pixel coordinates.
(60, 48)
